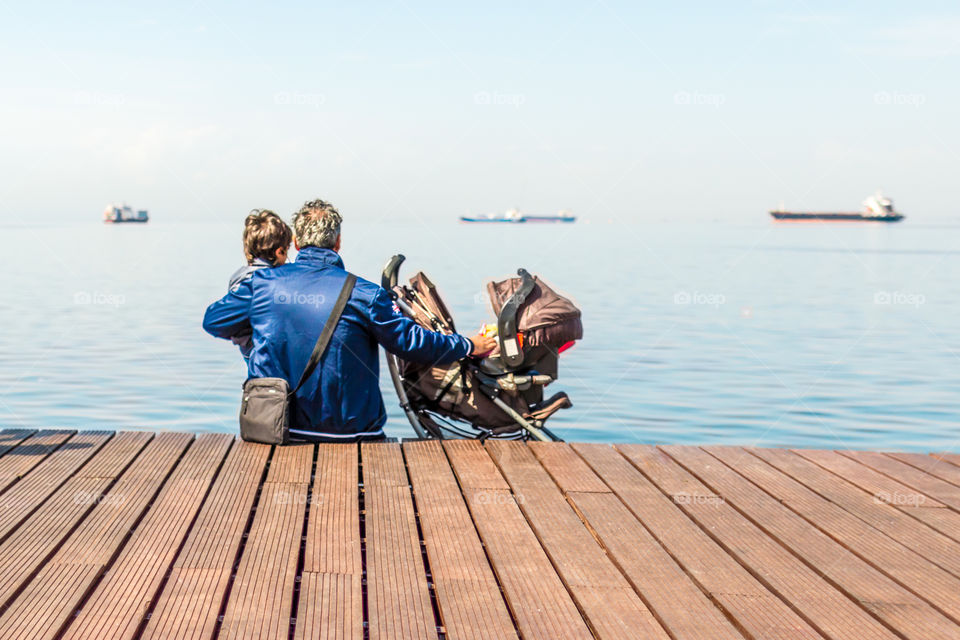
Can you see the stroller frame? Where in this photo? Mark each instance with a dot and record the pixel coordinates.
(428, 424)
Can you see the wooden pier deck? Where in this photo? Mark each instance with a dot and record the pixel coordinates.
(171, 535)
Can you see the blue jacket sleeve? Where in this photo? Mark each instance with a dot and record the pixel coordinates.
(403, 337)
(230, 315)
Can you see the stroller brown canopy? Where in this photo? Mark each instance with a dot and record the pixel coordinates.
(544, 318)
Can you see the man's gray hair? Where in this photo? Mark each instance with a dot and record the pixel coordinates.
(317, 224)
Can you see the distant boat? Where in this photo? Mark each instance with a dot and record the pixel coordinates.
(513, 216)
(122, 213)
(876, 208)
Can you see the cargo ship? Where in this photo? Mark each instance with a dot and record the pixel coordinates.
(116, 213)
(876, 208)
(513, 216)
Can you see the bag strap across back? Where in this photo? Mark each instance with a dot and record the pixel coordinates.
(327, 333)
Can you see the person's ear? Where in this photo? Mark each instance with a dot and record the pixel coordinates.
(336, 247)
(296, 245)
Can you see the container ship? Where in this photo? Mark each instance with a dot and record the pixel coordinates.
(116, 213)
(513, 216)
(876, 208)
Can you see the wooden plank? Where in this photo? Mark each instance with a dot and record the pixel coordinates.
(193, 608)
(581, 562)
(30, 452)
(933, 487)
(398, 597)
(474, 467)
(52, 597)
(261, 600)
(117, 607)
(753, 605)
(47, 601)
(23, 498)
(946, 521)
(898, 561)
(829, 610)
(469, 598)
(567, 468)
(189, 604)
(333, 533)
(898, 607)
(331, 601)
(214, 539)
(28, 546)
(885, 489)
(537, 598)
(939, 466)
(692, 545)
(678, 603)
(952, 458)
(10, 438)
(98, 536)
(872, 510)
(343, 619)
(881, 487)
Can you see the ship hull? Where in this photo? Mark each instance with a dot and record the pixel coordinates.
(549, 218)
(492, 220)
(800, 216)
(521, 220)
(133, 220)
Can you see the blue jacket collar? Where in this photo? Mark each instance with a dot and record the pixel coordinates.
(316, 255)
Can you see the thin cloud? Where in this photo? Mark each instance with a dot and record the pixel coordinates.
(921, 38)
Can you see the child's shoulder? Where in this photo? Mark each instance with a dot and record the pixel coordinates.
(246, 271)
(240, 275)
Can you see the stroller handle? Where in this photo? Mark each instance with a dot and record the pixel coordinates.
(391, 272)
(388, 280)
(510, 351)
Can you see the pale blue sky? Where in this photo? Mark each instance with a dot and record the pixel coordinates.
(617, 110)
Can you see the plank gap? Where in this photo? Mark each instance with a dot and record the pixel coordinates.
(363, 545)
(301, 556)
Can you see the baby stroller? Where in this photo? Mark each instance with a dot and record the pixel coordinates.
(502, 395)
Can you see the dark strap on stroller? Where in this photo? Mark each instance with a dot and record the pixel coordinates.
(327, 333)
(441, 394)
(510, 351)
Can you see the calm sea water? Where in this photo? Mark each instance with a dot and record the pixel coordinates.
(802, 335)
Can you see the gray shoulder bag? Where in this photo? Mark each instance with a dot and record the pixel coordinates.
(265, 408)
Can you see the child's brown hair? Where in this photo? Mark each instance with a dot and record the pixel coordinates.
(263, 233)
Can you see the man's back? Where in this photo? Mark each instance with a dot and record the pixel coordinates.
(286, 308)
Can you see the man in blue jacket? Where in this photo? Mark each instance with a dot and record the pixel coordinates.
(286, 307)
